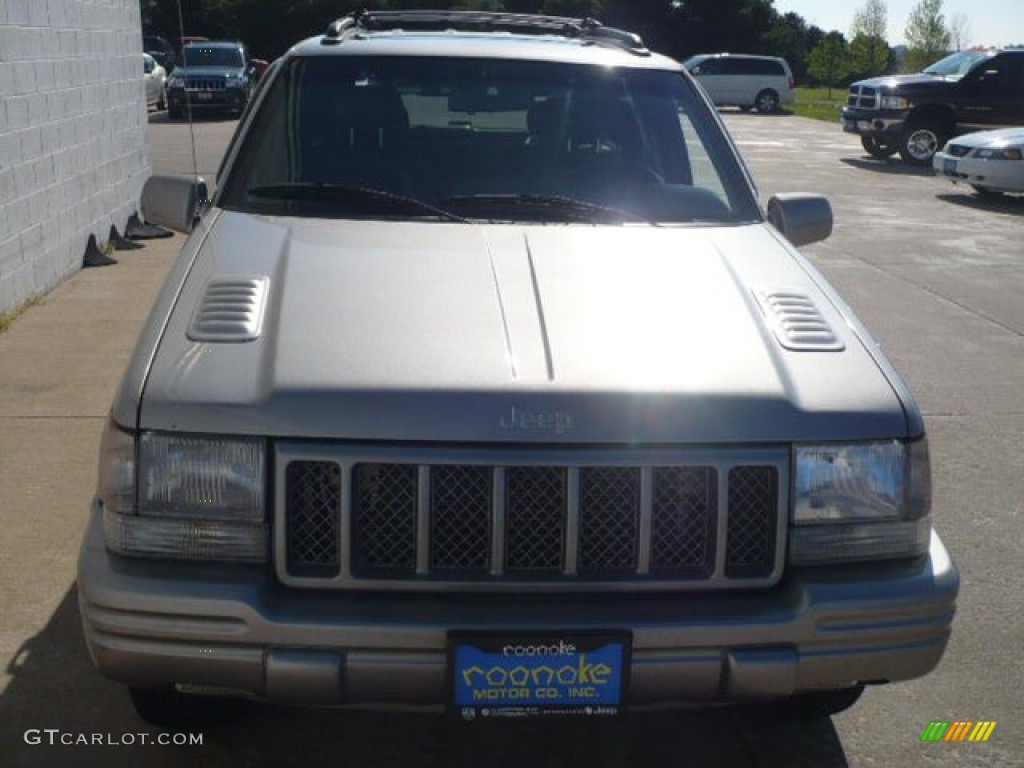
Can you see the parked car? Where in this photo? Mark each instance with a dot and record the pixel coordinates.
(733, 79)
(155, 77)
(212, 75)
(992, 162)
(916, 114)
(161, 50)
(485, 384)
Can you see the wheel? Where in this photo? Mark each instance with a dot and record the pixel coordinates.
(876, 148)
(987, 192)
(808, 705)
(766, 101)
(167, 708)
(920, 141)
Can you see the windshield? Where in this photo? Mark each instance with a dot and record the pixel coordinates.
(957, 65)
(485, 139)
(205, 56)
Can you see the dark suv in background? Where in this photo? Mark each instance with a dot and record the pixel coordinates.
(916, 114)
(211, 74)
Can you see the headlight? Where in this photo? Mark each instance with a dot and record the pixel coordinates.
(201, 477)
(894, 102)
(998, 153)
(189, 497)
(863, 501)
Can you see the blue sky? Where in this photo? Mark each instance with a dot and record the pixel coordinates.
(992, 22)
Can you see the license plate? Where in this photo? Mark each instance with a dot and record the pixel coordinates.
(204, 96)
(949, 167)
(537, 675)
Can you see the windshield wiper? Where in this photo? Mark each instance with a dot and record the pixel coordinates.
(375, 199)
(578, 210)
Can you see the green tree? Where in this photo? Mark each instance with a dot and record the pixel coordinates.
(708, 26)
(927, 35)
(869, 51)
(830, 61)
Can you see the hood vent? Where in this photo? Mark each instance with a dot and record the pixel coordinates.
(797, 322)
(231, 309)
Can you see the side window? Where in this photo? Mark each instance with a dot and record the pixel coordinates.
(708, 67)
(1001, 73)
(730, 66)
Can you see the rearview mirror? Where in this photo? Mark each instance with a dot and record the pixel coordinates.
(173, 201)
(801, 218)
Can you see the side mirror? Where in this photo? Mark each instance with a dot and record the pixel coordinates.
(801, 218)
(173, 201)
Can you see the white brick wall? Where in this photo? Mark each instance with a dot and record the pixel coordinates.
(73, 155)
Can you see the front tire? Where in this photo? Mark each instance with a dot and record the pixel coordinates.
(767, 101)
(987, 192)
(883, 150)
(920, 141)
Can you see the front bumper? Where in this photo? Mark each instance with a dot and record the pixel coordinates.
(872, 122)
(1002, 175)
(228, 98)
(231, 629)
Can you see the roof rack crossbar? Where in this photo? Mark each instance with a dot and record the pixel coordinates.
(587, 30)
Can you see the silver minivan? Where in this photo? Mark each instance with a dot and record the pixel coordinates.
(760, 82)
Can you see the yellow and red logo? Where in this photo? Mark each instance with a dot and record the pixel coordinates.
(958, 730)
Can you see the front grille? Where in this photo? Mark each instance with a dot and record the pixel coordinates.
(356, 521)
(205, 83)
(863, 97)
(313, 496)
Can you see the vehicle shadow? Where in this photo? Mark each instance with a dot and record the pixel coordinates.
(162, 117)
(736, 111)
(1009, 204)
(893, 166)
(53, 685)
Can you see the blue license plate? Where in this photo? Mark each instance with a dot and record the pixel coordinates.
(949, 167)
(531, 675)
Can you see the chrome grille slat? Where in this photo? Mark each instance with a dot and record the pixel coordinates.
(436, 519)
(863, 97)
(204, 84)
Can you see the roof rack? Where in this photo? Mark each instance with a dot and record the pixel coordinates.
(589, 31)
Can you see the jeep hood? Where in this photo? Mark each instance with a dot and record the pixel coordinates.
(487, 333)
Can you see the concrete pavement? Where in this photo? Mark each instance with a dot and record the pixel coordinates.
(59, 365)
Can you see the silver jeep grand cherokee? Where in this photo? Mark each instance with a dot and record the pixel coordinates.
(483, 381)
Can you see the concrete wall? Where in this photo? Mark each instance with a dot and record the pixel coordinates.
(73, 154)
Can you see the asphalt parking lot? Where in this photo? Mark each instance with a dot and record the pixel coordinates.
(934, 272)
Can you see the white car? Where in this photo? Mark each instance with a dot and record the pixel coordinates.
(992, 162)
(763, 83)
(155, 77)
